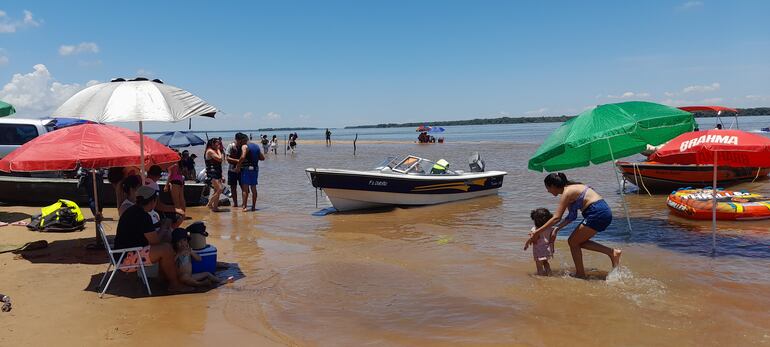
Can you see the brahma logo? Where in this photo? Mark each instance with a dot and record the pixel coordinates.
(727, 140)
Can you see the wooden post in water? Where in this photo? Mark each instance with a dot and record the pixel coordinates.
(354, 145)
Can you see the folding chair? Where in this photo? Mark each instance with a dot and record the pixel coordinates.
(118, 264)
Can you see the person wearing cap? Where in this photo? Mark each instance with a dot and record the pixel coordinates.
(136, 229)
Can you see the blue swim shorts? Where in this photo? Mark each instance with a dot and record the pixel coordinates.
(249, 177)
(597, 216)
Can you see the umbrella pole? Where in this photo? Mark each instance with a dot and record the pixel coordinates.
(97, 217)
(622, 195)
(714, 209)
(141, 149)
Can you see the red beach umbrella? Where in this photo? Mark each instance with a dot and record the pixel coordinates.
(732, 148)
(736, 149)
(89, 146)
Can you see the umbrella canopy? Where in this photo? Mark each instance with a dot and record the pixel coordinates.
(6, 109)
(89, 146)
(134, 101)
(436, 130)
(737, 149)
(177, 139)
(61, 123)
(608, 132)
(707, 109)
(422, 128)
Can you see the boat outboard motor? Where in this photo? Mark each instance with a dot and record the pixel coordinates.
(475, 162)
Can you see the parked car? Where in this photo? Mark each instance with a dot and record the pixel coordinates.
(15, 132)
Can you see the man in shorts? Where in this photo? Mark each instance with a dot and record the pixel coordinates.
(233, 155)
(136, 229)
(248, 166)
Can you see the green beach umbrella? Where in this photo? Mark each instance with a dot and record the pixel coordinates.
(6, 109)
(608, 132)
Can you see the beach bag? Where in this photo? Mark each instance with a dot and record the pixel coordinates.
(64, 215)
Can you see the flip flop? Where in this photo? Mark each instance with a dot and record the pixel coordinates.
(20, 223)
(2, 224)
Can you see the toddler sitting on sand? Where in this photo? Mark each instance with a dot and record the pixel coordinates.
(542, 245)
(184, 256)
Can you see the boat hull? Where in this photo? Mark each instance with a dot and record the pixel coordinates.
(350, 190)
(663, 178)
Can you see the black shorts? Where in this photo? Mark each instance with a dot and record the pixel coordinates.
(233, 178)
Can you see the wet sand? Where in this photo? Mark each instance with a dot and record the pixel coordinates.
(452, 274)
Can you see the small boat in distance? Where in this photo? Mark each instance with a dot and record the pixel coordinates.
(405, 181)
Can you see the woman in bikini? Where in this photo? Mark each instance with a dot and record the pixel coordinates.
(213, 158)
(597, 216)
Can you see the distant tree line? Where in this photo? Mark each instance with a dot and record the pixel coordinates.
(757, 111)
(477, 121)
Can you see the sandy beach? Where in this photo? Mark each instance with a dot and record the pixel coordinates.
(437, 275)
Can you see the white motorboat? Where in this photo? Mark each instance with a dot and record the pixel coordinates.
(403, 181)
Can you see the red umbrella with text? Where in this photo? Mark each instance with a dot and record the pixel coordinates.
(733, 148)
(88, 146)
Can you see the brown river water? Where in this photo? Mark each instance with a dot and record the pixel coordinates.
(456, 274)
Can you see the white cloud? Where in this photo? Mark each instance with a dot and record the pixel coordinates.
(272, 116)
(29, 19)
(303, 117)
(690, 5)
(758, 97)
(248, 115)
(10, 25)
(37, 92)
(628, 95)
(3, 57)
(701, 88)
(669, 94)
(539, 111)
(83, 47)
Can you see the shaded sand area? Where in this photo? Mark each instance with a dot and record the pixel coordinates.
(452, 274)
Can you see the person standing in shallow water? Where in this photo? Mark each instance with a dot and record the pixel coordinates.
(597, 216)
(328, 137)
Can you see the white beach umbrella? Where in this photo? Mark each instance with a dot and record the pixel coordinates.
(136, 100)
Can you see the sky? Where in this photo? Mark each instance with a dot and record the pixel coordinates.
(338, 63)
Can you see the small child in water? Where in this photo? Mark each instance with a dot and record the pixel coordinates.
(542, 246)
(184, 256)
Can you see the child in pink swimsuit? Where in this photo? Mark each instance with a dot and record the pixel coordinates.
(542, 247)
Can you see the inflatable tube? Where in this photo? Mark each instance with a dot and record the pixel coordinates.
(731, 205)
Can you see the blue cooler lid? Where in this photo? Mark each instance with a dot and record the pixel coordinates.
(208, 250)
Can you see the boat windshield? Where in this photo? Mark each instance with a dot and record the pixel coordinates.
(419, 166)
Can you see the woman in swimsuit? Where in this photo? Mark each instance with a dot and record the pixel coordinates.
(213, 159)
(597, 216)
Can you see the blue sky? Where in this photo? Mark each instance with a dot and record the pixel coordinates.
(337, 63)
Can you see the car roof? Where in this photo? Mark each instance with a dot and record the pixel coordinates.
(9, 120)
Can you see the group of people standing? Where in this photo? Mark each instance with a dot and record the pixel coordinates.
(242, 157)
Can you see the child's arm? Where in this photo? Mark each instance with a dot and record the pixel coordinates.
(195, 256)
(563, 202)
